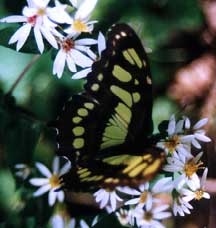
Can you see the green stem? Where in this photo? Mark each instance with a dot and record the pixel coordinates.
(22, 74)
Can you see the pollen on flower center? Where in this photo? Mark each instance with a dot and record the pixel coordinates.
(199, 194)
(54, 181)
(67, 45)
(143, 197)
(32, 20)
(41, 12)
(79, 26)
(172, 143)
(191, 167)
(148, 216)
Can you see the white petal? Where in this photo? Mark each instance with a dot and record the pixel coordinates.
(163, 185)
(85, 9)
(113, 201)
(13, 19)
(60, 196)
(86, 41)
(39, 181)
(57, 14)
(171, 125)
(42, 190)
(187, 138)
(57, 222)
(196, 144)
(179, 126)
(20, 36)
(43, 169)
(160, 208)
(82, 73)
(52, 197)
(20, 166)
(39, 39)
(83, 224)
(66, 167)
(70, 63)
(206, 195)
(162, 215)
(80, 59)
(72, 223)
(49, 37)
(29, 12)
(56, 164)
(41, 3)
(200, 123)
(187, 123)
(202, 137)
(101, 43)
(132, 201)
(204, 177)
(104, 200)
(59, 63)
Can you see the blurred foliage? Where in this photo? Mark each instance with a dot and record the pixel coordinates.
(38, 98)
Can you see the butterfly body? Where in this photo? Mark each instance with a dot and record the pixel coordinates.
(105, 130)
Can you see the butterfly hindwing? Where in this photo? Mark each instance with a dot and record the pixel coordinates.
(119, 170)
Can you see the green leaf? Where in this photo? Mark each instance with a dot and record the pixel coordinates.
(19, 132)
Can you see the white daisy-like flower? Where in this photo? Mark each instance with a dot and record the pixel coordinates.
(181, 206)
(59, 221)
(198, 133)
(80, 23)
(197, 191)
(187, 166)
(145, 195)
(176, 140)
(125, 217)
(101, 42)
(51, 182)
(42, 19)
(107, 197)
(72, 53)
(22, 170)
(151, 218)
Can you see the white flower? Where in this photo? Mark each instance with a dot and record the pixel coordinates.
(187, 166)
(23, 171)
(106, 197)
(59, 221)
(51, 182)
(101, 46)
(176, 140)
(72, 53)
(198, 191)
(41, 18)
(180, 206)
(145, 195)
(149, 218)
(125, 217)
(80, 21)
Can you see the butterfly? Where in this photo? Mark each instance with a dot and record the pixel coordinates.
(105, 131)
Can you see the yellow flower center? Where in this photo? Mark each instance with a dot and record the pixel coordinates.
(148, 216)
(191, 167)
(67, 45)
(54, 181)
(172, 143)
(41, 12)
(79, 26)
(143, 197)
(199, 194)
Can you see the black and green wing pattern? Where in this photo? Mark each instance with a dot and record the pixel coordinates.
(111, 119)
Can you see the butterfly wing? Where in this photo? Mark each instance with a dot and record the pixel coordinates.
(115, 108)
(119, 170)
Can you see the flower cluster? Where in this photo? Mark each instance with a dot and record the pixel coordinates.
(61, 30)
(180, 181)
